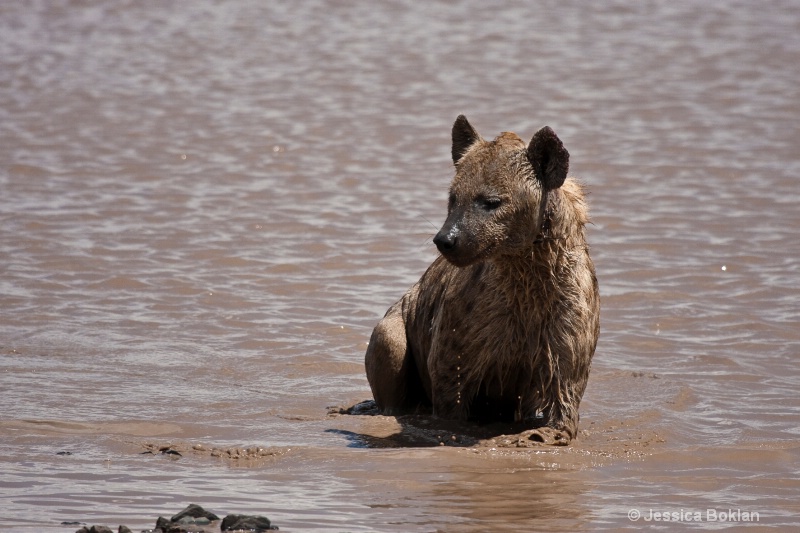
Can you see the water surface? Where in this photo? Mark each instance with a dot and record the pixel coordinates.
(205, 208)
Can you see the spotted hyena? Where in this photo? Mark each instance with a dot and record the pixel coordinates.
(503, 325)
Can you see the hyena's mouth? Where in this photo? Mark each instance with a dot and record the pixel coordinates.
(458, 260)
(463, 256)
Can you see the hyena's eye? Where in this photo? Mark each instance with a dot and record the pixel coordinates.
(490, 203)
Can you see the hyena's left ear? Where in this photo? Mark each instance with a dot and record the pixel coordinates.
(464, 136)
(549, 158)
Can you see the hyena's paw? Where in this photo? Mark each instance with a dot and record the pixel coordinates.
(532, 438)
(544, 435)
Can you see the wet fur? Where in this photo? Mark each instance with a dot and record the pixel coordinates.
(503, 325)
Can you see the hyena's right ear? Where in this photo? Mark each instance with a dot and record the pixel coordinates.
(464, 136)
(549, 158)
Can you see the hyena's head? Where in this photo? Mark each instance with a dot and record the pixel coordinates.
(498, 195)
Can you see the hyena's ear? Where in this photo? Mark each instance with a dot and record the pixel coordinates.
(464, 136)
(549, 158)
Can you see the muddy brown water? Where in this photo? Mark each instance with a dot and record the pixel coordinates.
(206, 207)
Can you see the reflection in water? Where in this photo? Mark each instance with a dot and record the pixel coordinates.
(521, 497)
(206, 209)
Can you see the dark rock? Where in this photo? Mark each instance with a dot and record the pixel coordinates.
(194, 511)
(188, 521)
(165, 526)
(95, 529)
(185, 521)
(232, 522)
(365, 408)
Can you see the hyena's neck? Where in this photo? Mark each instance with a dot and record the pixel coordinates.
(535, 276)
(564, 216)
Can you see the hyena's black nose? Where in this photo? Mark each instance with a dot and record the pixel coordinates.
(446, 239)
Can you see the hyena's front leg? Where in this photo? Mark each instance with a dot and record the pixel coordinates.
(389, 364)
(561, 425)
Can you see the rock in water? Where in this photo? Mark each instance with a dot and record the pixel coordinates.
(234, 522)
(194, 511)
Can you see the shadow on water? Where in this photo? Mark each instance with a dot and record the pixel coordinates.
(422, 430)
